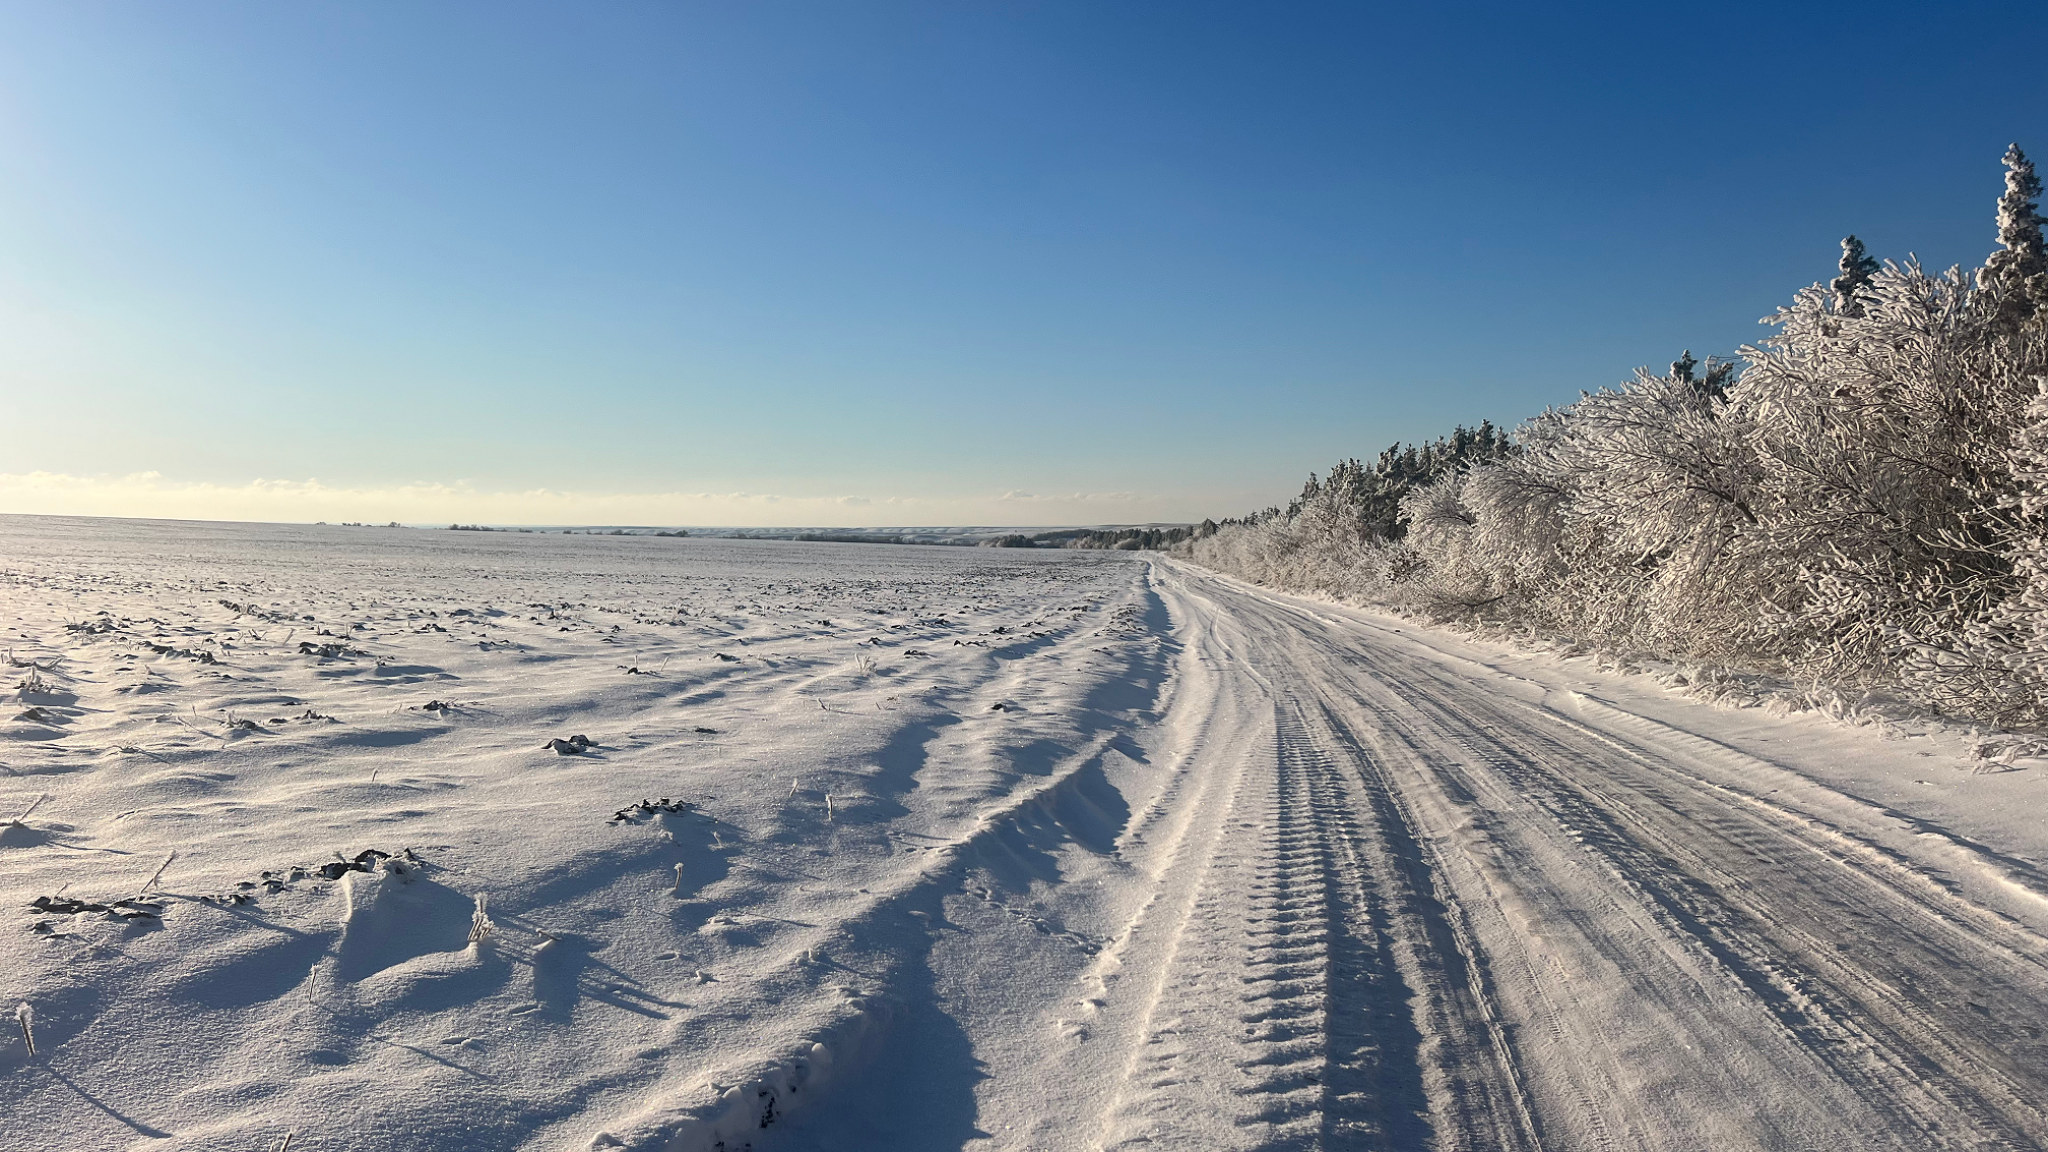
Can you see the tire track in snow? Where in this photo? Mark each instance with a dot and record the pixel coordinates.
(1464, 1062)
(1312, 990)
(1176, 939)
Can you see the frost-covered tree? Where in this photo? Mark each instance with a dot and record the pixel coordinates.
(1857, 268)
(1612, 519)
(1997, 668)
(1713, 385)
(2018, 271)
(1883, 438)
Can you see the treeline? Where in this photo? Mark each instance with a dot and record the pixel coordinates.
(1861, 498)
(676, 534)
(850, 538)
(1121, 539)
(1372, 495)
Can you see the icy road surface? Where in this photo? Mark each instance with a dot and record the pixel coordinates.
(928, 848)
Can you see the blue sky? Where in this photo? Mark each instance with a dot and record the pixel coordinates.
(882, 263)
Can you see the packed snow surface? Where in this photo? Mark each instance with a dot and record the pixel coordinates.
(421, 840)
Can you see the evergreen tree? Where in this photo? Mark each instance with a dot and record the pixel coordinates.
(2018, 271)
(1712, 386)
(1857, 269)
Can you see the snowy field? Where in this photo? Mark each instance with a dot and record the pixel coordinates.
(906, 848)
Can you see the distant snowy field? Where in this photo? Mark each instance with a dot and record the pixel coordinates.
(262, 701)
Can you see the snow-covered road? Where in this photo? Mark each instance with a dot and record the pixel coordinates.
(1406, 901)
(949, 848)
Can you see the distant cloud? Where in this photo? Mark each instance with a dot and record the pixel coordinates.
(152, 495)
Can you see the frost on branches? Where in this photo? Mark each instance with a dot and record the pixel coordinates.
(1860, 498)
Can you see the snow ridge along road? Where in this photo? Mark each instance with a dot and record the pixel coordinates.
(945, 848)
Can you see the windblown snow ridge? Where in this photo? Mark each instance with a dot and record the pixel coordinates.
(726, 1114)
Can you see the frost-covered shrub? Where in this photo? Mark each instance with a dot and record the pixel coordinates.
(1997, 668)
(1885, 438)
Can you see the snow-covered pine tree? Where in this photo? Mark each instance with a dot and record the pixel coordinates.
(2018, 272)
(1712, 386)
(1857, 268)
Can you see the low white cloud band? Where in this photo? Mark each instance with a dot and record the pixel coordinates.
(151, 495)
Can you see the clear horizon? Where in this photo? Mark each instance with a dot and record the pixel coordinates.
(804, 265)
